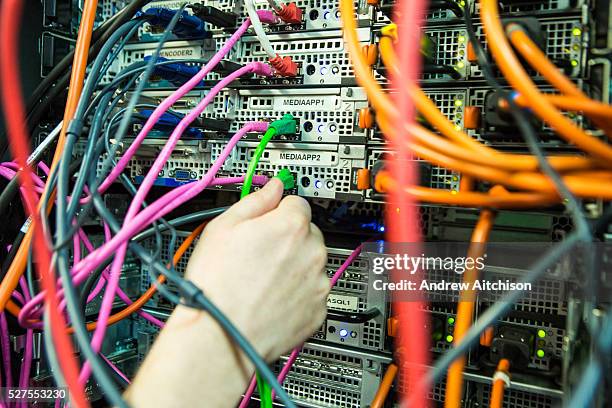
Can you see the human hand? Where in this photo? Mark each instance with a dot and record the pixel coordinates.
(262, 263)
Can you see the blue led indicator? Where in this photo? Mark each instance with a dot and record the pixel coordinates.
(343, 333)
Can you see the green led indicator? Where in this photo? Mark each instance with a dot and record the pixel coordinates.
(541, 333)
(458, 102)
(460, 64)
(461, 38)
(540, 353)
(576, 31)
(451, 320)
(449, 338)
(574, 63)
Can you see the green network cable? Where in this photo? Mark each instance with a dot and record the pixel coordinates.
(248, 180)
(286, 125)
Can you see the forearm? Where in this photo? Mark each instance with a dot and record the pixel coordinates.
(193, 362)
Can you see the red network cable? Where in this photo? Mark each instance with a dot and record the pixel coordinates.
(402, 215)
(12, 103)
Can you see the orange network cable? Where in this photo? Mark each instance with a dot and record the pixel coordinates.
(385, 183)
(148, 294)
(538, 60)
(575, 99)
(512, 69)
(569, 103)
(13, 107)
(145, 297)
(384, 387)
(81, 52)
(537, 182)
(501, 379)
(582, 185)
(466, 306)
(384, 106)
(442, 123)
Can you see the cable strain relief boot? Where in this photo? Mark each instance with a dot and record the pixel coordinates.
(267, 17)
(291, 14)
(284, 66)
(263, 69)
(285, 126)
(286, 177)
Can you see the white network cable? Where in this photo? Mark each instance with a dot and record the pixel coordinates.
(276, 5)
(258, 27)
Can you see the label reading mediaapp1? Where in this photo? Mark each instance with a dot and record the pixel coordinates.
(305, 103)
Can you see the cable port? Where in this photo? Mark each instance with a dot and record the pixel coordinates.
(512, 343)
(182, 175)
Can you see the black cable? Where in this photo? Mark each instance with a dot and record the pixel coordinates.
(10, 191)
(99, 37)
(441, 69)
(353, 317)
(98, 367)
(88, 286)
(586, 389)
(503, 305)
(185, 219)
(192, 296)
(107, 163)
(447, 4)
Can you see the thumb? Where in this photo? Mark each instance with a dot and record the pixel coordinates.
(255, 204)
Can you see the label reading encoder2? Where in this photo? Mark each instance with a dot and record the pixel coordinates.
(341, 302)
(179, 53)
(302, 158)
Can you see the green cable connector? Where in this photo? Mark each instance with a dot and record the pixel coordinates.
(286, 177)
(285, 126)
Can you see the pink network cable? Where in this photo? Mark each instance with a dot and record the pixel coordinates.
(154, 211)
(115, 369)
(33, 313)
(296, 351)
(135, 205)
(32, 309)
(28, 353)
(264, 15)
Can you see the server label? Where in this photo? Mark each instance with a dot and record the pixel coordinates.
(305, 103)
(302, 157)
(341, 302)
(174, 53)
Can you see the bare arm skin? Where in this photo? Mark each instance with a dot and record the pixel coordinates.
(262, 263)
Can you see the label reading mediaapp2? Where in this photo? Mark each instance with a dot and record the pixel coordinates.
(301, 157)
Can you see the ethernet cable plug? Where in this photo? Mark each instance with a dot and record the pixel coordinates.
(188, 26)
(267, 17)
(286, 177)
(261, 68)
(259, 127)
(291, 13)
(284, 66)
(214, 16)
(285, 126)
